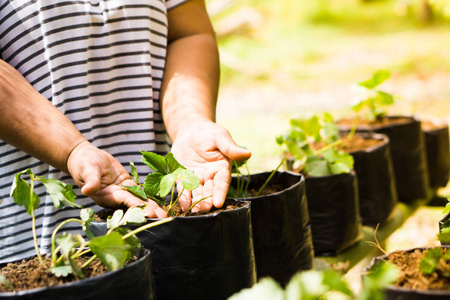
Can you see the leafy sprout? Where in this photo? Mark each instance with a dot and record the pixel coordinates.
(302, 139)
(369, 99)
(113, 249)
(167, 172)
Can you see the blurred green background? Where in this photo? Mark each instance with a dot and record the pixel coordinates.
(282, 59)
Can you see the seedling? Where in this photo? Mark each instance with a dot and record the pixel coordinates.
(113, 249)
(158, 184)
(371, 101)
(241, 190)
(297, 144)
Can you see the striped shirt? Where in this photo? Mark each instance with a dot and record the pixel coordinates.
(101, 63)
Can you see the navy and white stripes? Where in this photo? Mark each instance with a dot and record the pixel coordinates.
(101, 63)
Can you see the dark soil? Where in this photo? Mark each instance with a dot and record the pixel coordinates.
(348, 123)
(177, 212)
(410, 275)
(29, 274)
(359, 143)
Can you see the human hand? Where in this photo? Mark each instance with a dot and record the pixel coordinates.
(207, 149)
(101, 177)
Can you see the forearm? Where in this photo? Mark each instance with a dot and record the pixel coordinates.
(31, 123)
(190, 85)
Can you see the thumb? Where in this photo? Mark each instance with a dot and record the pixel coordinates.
(230, 149)
(91, 181)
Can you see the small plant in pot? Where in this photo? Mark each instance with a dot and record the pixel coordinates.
(280, 220)
(69, 270)
(405, 135)
(331, 183)
(424, 273)
(208, 256)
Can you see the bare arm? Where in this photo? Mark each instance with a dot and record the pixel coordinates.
(31, 123)
(189, 95)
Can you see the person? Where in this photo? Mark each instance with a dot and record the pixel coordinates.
(86, 85)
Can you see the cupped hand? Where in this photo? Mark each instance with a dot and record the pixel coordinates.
(207, 149)
(101, 177)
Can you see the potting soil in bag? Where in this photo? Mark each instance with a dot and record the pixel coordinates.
(438, 154)
(333, 206)
(133, 281)
(376, 181)
(200, 257)
(281, 228)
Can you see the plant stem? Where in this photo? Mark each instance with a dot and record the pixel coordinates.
(33, 222)
(54, 235)
(270, 177)
(352, 132)
(89, 261)
(193, 204)
(329, 146)
(147, 226)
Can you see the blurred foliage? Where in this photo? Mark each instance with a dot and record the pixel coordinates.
(296, 37)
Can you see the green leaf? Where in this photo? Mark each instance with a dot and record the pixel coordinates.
(189, 180)
(265, 289)
(166, 185)
(339, 161)
(310, 127)
(133, 240)
(61, 271)
(430, 260)
(114, 220)
(61, 193)
(379, 278)
(173, 163)
(137, 191)
(6, 283)
(152, 183)
(335, 282)
(134, 215)
(87, 214)
(377, 78)
(316, 166)
(154, 161)
(134, 172)
(112, 250)
(447, 207)
(68, 242)
(20, 191)
(306, 285)
(444, 234)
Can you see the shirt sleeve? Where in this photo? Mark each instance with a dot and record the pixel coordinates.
(174, 3)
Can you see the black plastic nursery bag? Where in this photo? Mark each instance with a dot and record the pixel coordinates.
(408, 152)
(333, 206)
(438, 155)
(281, 228)
(201, 257)
(376, 181)
(133, 281)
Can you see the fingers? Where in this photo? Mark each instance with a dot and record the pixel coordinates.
(92, 181)
(230, 149)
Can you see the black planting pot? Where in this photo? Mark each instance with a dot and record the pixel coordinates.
(438, 153)
(409, 156)
(376, 180)
(133, 281)
(200, 257)
(281, 228)
(401, 293)
(333, 207)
